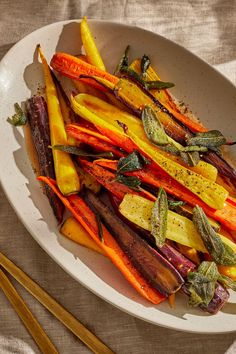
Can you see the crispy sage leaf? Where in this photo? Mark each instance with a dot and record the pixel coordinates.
(173, 204)
(124, 62)
(190, 158)
(79, 152)
(153, 127)
(148, 85)
(212, 138)
(158, 85)
(130, 181)
(145, 63)
(221, 253)
(133, 162)
(159, 218)
(202, 283)
(19, 118)
(227, 282)
(193, 148)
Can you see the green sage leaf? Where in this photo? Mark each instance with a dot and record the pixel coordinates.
(133, 162)
(193, 148)
(130, 181)
(190, 158)
(158, 85)
(221, 253)
(202, 283)
(145, 63)
(212, 138)
(159, 218)
(19, 118)
(153, 127)
(174, 204)
(124, 61)
(74, 150)
(227, 282)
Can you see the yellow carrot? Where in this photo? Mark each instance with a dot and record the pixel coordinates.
(73, 230)
(92, 53)
(179, 229)
(66, 175)
(94, 110)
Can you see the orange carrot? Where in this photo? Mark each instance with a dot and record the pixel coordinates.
(158, 178)
(107, 179)
(93, 141)
(86, 217)
(73, 67)
(79, 129)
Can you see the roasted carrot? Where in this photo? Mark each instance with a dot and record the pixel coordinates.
(107, 179)
(73, 68)
(91, 50)
(157, 178)
(211, 193)
(86, 217)
(151, 75)
(166, 100)
(73, 230)
(93, 141)
(66, 175)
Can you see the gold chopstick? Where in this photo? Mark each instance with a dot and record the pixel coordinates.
(30, 322)
(75, 326)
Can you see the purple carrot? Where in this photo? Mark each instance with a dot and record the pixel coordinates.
(152, 265)
(181, 263)
(38, 120)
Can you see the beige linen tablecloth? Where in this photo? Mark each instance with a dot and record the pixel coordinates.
(208, 28)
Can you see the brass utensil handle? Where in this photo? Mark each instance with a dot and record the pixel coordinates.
(75, 326)
(30, 322)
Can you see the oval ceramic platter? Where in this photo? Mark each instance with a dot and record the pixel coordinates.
(211, 97)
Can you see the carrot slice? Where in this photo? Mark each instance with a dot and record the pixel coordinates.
(86, 217)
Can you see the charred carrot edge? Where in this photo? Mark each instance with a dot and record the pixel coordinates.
(93, 141)
(107, 179)
(73, 67)
(156, 178)
(86, 217)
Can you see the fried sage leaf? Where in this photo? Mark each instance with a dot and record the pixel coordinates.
(212, 138)
(158, 85)
(74, 150)
(193, 148)
(202, 283)
(159, 218)
(145, 63)
(19, 118)
(227, 282)
(130, 181)
(133, 162)
(153, 127)
(173, 204)
(124, 61)
(190, 158)
(221, 253)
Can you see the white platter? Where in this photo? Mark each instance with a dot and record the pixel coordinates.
(209, 94)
